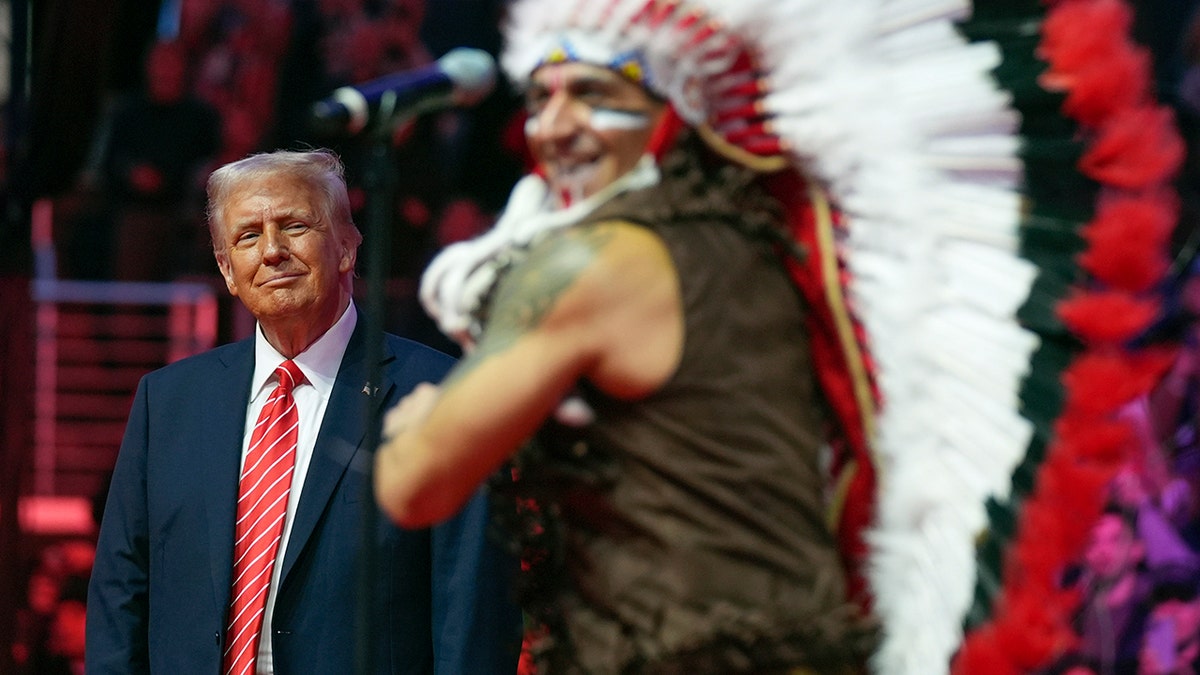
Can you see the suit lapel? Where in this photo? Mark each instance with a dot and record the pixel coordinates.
(220, 456)
(338, 443)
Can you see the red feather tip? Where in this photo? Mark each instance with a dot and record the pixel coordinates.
(1136, 148)
(1128, 238)
(1096, 89)
(1107, 316)
(1035, 632)
(1100, 382)
(982, 654)
(1075, 32)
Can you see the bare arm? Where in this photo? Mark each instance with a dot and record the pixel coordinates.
(599, 302)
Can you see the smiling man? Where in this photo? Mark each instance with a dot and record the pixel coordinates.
(232, 538)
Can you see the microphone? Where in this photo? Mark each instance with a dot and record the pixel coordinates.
(463, 77)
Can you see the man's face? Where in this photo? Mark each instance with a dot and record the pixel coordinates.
(1112, 548)
(281, 255)
(587, 126)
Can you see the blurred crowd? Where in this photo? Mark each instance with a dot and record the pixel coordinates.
(50, 626)
(225, 78)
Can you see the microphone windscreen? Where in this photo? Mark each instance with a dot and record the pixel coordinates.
(473, 72)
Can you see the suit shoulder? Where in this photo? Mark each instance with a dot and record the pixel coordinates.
(202, 363)
(413, 355)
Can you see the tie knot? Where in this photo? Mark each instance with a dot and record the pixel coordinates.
(289, 375)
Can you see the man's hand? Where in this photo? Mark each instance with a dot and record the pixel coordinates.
(411, 409)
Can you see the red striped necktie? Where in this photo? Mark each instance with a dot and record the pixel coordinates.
(262, 505)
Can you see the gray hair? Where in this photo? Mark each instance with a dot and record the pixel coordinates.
(321, 169)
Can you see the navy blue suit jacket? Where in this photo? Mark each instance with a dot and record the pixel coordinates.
(160, 587)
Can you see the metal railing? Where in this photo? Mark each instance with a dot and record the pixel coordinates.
(94, 341)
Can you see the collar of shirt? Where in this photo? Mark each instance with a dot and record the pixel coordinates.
(319, 363)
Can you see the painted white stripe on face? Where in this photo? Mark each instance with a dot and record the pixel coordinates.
(604, 119)
(600, 119)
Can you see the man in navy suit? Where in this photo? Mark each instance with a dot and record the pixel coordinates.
(160, 595)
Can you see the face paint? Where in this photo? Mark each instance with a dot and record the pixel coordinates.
(572, 186)
(554, 81)
(569, 194)
(604, 119)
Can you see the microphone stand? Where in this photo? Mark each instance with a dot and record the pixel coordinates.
(379, 181)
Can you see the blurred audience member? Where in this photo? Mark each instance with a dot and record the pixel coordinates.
(1174, 406)
(400, 26)
(1116, 593)
(460, 219)
(240, 135)
(360, 43)
(1072, 663)
(147, 167)
(1161, 506)
(62, 651)
(239, 60)
(1171, 645)
(49, 626)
